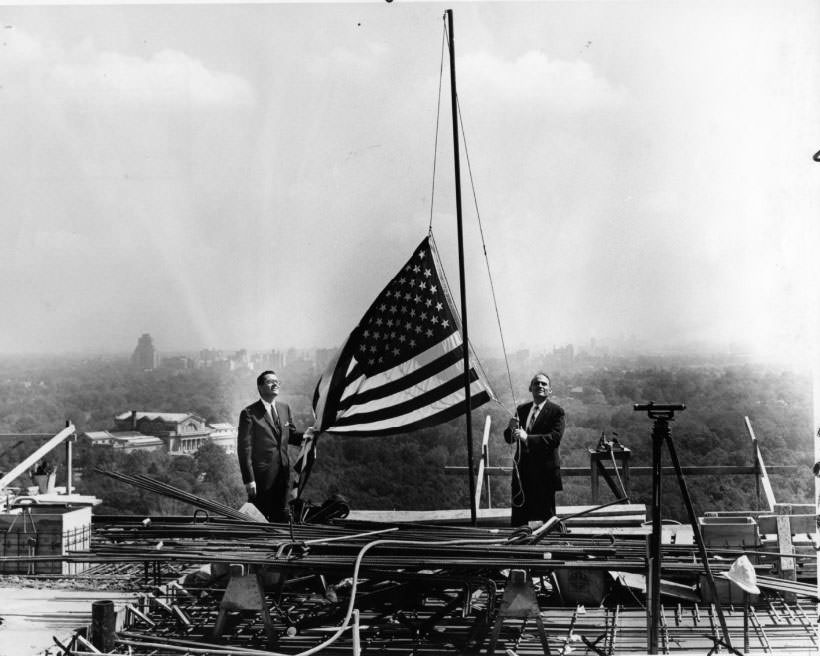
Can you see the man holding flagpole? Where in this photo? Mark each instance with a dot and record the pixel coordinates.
(265, 431)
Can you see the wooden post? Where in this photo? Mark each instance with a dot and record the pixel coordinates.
(786, 564)
(69, 467)
(482, 467)
(761, 468)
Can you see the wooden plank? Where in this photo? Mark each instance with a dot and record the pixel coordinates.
(799, 523)
(483, 462)
(634, 511)
(764, 477)
(29, 462)
(784, 546)
(705, 470)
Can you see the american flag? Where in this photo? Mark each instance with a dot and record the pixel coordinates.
(402, 366)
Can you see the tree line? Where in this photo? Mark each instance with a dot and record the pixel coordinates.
(408, 471)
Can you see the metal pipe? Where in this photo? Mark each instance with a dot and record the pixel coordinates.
(461, 277)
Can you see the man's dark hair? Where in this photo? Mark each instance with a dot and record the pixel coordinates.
(261, 377)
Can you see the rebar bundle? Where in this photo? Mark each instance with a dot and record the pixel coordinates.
(168, 490)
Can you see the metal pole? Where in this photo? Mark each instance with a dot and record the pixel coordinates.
(462, 286)
(696, 532)
(103, 621)
(658, 432)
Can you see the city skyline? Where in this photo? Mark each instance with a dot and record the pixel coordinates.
(639, 169)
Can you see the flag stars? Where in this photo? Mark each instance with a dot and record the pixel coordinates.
(428, 332)
(445, 323)
(439, 306)
(402, 339)
(393, 309)
(422, 285)
(428, 302)
(434, 319)
(427, 273)
(412, 343)
(379, 322)
(423, 316)
(417, 298)
(416, 269)
(395, 351)
(433, 289)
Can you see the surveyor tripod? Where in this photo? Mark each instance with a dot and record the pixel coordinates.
(662, 414)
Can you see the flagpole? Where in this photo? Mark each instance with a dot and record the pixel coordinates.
(462, 287)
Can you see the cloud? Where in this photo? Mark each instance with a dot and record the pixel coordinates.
(535, 79)
(83, 74)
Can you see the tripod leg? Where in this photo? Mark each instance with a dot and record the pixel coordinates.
(660, 429)
(698, 537)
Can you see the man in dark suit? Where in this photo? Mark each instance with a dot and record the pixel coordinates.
(536, 431)
(265, 430)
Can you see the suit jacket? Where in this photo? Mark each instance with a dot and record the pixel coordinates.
(262, 444)
(538, 459)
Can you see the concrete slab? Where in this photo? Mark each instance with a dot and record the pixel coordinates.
(31, 616)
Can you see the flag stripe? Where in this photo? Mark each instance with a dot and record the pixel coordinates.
(454, 372)
(330, 387)
(404, 407)
(404, 382)
(405, 368)
(451, 406)
(400, 368)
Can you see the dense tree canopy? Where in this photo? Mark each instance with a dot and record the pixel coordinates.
(408, 471)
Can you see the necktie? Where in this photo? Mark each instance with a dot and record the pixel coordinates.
(273, 415)
(533, 415)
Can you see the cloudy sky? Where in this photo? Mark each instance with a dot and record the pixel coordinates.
(251, 176)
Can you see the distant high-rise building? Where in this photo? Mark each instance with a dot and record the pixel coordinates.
(145, 356)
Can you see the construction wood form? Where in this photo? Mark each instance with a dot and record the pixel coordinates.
(43, 531)
(428, 582)
(772, 628)
(428, 589)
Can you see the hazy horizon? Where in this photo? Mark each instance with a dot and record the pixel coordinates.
(246, 175)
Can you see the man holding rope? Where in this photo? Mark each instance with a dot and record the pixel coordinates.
(536, 430)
